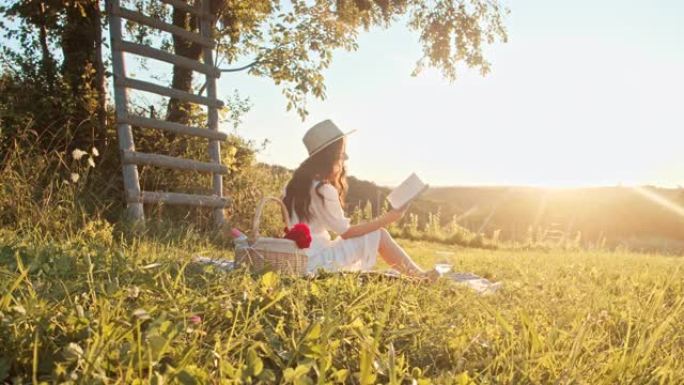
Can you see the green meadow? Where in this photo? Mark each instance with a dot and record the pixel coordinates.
(201, 108)
(92, 309)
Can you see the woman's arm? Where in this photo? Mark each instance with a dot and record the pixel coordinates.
(379, 222)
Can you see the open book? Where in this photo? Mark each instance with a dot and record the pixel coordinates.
(407, 191)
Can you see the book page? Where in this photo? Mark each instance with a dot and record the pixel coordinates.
(408, 190)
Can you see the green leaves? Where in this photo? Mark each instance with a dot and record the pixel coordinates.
(293, 46)
(366, 374)
(186, 378)
(341, 375)
(4, 367)
(157, 346)
(455, 32)
(298, 376)
(254, 364)
(269, 281)
(314, 333)
(463, 379)
(191, 375)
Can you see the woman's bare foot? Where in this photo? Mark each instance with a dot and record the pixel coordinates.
(430, 275)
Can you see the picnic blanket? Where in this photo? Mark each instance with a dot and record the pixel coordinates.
(478, 284)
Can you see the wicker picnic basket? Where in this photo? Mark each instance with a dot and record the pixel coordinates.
(275, 254)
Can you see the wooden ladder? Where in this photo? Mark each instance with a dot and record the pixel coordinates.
(135, 198)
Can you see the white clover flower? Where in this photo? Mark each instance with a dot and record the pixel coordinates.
(72, 351)
(78, 154)
(91, 162)
(141, 314)
(95, 152)
(74, 177)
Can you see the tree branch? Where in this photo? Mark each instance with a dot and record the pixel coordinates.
(250, 65)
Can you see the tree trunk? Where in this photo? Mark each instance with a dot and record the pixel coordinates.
(47, 61)
(100, 79)
(80, 40)
(179, 111)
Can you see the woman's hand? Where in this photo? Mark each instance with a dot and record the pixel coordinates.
(395, 214)
(377, 223)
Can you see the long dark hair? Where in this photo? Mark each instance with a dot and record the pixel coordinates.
(320, 165)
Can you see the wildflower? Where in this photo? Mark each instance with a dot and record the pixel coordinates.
(133, 292)
(74, 177)
(19, 309)
(72, 352)
(141, 314)
(195, 320)
(78, 154)
(91, 162)
(95, 152)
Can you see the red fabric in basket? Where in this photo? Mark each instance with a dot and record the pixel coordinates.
(301, 234)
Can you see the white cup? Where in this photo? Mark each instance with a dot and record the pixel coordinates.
(442, 268)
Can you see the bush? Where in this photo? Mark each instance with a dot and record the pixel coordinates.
(57, 189)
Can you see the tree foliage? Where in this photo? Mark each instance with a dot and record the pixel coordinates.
(299, 41)
(290, 42)
(53, 68)
(67, 37)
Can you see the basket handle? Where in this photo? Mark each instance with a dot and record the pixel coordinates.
(260, 209)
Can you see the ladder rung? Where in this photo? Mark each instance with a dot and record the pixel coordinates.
(156, 23)
(177, 199)
(186, 7)
(166, 91)
(176, 128)
(134, 157)
(158, 54)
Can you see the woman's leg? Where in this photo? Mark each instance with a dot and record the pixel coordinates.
(396, 257)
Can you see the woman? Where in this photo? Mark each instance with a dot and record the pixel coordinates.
(315, 196)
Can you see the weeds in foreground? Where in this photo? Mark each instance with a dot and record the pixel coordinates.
(91, 308)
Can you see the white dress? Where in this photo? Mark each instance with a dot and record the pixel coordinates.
(358, 253)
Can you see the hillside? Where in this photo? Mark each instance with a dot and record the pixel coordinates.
(614, 215)
(610, 214)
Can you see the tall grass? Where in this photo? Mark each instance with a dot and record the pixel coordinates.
(51, 190)
(431, 227)
(92, 308)
(59, 189)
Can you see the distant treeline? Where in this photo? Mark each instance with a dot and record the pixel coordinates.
(634, 217)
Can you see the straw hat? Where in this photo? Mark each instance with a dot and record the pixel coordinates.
(321, 135)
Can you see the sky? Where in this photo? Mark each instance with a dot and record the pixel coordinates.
(585, 93)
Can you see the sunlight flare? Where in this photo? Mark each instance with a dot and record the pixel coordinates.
(660, 200)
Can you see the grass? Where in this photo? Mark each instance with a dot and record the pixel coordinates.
(93, 309)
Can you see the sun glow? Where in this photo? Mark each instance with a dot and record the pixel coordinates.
(660, 200)
(567, 105)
